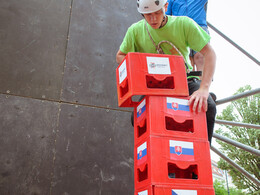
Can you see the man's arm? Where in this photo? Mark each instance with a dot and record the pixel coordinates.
(120, 56)
(199, 98)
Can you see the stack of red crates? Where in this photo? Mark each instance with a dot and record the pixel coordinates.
(171, 153)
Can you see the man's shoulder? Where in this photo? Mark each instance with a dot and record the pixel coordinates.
(179, 19)
(138, 24)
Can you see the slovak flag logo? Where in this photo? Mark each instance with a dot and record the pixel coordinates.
(177, 104)
(141, 108)
(142, 153)
(180, 150)
(184, 192)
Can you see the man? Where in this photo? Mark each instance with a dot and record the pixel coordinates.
(196, 10)
(183, 33)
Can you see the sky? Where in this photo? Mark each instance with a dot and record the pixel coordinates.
(238, 20)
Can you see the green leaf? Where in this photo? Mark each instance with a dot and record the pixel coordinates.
(244, 110)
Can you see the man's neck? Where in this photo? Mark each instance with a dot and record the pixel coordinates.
(164, 21)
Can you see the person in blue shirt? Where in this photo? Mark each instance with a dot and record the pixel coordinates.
(196, 10)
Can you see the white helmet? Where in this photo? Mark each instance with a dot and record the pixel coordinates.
(149, 6)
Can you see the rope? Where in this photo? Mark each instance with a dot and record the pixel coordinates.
(160, 50)
(157, 47)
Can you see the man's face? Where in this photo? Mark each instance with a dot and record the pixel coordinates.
(155, 19)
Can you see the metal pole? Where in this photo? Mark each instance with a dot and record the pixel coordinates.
(248, 175)
(227, 182)
(247, 125)
(237, 144)
(238, 96)
(234, 44)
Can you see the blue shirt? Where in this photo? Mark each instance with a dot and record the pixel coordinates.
(195, 9)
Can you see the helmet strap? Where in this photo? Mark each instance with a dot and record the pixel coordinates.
(164, 20)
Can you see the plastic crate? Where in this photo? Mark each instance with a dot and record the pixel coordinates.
(168, 116)
(175, 190)
(150, 74)
(168, 160)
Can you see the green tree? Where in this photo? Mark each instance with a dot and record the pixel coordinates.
(245, 110)
(220, 189)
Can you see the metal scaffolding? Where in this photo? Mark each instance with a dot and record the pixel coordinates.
(235, 143)
(246, 125)
(233, 43)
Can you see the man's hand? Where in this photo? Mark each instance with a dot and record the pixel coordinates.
(198, 100)
(120, 56)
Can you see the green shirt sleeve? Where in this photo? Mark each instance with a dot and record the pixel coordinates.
(128, 44)
(196, 37)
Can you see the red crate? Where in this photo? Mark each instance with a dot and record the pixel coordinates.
(168, 116)
(168, 160)
(173, 190)
(150, 74)
(148, 190)
(179, 190)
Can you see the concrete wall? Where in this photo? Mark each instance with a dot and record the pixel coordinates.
(61, 131)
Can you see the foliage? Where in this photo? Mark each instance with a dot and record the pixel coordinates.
(220, 189)
(244, 110)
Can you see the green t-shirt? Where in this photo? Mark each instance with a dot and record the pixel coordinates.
(182, 31)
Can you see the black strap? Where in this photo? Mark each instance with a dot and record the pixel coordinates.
(194, 73)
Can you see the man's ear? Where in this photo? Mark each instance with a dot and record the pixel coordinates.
(166, 6)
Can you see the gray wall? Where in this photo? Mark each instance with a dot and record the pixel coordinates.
(61, 131)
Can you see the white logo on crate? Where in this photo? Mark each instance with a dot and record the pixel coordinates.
(122, 72)
(158, 65)
(141, 108)
(142, 150)
(184, 192)
(143, 192)
(177, 104)
(181, 150)
(179, 101)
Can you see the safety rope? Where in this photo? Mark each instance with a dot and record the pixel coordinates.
(160, 50)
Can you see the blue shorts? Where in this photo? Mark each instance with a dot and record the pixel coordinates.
(192, 52)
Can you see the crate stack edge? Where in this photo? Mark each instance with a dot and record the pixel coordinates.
(171, 151)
